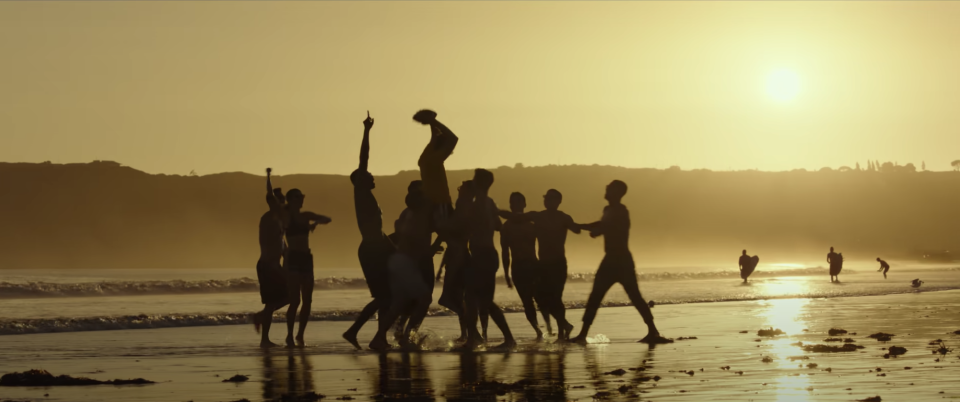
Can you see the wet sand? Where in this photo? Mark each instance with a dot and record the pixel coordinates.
(191, 363)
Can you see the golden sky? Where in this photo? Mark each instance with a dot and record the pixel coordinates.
(170, 87)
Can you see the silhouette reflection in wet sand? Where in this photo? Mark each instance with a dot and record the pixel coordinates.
(287, 375)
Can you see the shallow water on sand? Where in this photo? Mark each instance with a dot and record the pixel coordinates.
(190, 363)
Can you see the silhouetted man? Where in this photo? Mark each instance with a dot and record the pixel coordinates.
(835, 260)
(375, 248)
(484, 260)
(273, 282)
(519, 238)
(456, 258)
(744, 262)
(551, 226)
(884, 267)
(617, 265)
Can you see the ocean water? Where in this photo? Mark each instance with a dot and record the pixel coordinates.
(44, 301)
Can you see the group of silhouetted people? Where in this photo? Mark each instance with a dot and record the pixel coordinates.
(399, 267)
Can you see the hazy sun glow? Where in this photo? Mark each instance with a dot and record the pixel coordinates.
(783, 85)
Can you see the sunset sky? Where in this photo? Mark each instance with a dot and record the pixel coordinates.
(170, 87)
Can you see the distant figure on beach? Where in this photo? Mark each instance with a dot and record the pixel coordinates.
(747, 265)
(484, 261)
(299, 262)
(273, 281)
(455, 259)
(884, 267)
(375, 247)
(916, 283)
(551, 226)
(617, 265)
(836, 264)
(518, 239)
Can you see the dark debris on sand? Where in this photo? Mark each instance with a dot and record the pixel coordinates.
(871, 399)
(847, 347)
(770, 332)
(882, 337)
(616, 372)
(307, 397)
(42, 378)
(237, 378)
(836, 331)
(896, 350)
(795, 358)
(686, 338)
(833, 340)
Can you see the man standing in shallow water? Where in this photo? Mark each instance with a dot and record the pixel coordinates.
(551, 227)
(273, 281)
(617, 265)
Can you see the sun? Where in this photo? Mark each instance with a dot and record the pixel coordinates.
(783, 85)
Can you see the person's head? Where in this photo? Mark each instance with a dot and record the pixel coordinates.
(414, 200)
(831, 249)
(362, 179)
(295, 198)
(466, 191)
(415, 185)
(482, 180)
(517, 202)
(615, 191)
(278, 194)
(744, 252)
(552, 199)
(878, 258)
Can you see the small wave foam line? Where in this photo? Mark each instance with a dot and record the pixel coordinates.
(149, 321)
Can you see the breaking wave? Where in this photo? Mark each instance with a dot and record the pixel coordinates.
(150, 321)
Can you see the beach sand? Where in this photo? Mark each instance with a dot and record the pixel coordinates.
(190, 364)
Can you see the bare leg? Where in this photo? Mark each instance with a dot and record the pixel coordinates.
(601, 284)
(484, 319)
(368, 311)
(293, 281)
(497, 314)
(266, 320)
(306, 290)
(546, 318)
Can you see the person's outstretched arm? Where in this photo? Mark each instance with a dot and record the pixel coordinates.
(571, 225)
(316, 219)
(365, 144)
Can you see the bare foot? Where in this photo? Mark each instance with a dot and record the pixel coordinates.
(508, 344)
(352, 338)
(255, 318)
(267, 344)
(290, 343)
(580, 340)
(565, 331)
(300, 341)
(539, 336)
(655, 339)
(380, 345)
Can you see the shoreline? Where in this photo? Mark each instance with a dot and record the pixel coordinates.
(190, 363)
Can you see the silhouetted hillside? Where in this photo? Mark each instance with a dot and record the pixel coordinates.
(105, 215)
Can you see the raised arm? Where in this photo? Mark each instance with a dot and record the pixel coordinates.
(272, 200)
(365, 144)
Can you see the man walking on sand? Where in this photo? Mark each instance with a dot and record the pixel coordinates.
(617, 265)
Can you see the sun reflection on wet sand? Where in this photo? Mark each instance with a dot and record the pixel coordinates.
(788, 315)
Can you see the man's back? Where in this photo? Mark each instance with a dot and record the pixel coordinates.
(552, 227)
(484, 222)
(744, 260)
(369, 216)
(616, 229)
(271, 236)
